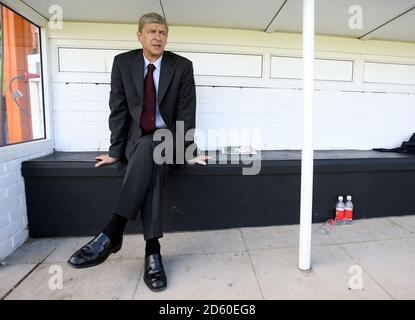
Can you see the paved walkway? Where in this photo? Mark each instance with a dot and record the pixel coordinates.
(370, 259)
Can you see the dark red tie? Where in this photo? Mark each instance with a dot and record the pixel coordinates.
(148, 115)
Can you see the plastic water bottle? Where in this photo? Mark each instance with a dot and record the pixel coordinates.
(339, 211)
(348, 210)
(326, 227)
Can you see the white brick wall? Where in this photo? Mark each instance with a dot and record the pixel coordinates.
(13, 215)
(80, 116)
(343, 120)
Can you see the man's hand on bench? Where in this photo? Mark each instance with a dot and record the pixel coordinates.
(105, 159)
(201, 159)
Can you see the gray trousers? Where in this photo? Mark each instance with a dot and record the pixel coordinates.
(142, 188)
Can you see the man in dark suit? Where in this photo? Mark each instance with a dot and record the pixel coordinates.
(150, 89)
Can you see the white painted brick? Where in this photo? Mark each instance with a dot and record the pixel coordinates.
(59, 96)
(95, 135)
(105, 136)
(4, 220)
(228, 108)
(80, 134)
(63, 144)
(204, 108)
(57, 86)
(90, 96)
(83, 145)
(19, 238)
(88, 105)
(212, 99)
(103, 97)
(12, 204)
(68, 116)
(62, 134)
(103, 127)
(226, 91)
(60, 105)
(20, 178)
(203, 90)
(103, 106)
(91, 145)
(17, 213)
(14, 226)
(6, 248)
(78, 87)
(8, 180)
(76, 106)
(79, 126)
(39, 154)
(8, 230)
(22, 199)
(70, 96)
(96, 116)
(9, 204)
(83, 106)
(211, 95)
(103, 88)
(104, 145)
(13, 166)
(16, 190)
(3, 194)
(73, 87)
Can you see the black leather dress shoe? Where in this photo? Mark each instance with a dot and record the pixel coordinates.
(94, 252)
(154, 275)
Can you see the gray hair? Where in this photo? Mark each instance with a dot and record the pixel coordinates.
(151, 17)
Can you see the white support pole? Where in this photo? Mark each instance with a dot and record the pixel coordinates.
(307, 156)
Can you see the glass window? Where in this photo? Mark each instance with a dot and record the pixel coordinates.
(21, 103)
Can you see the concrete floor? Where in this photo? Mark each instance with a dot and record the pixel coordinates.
(370, 259)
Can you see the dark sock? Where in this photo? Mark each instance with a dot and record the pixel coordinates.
(115, 228)
(152, 246)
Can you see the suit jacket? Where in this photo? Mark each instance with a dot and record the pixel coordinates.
(176, 96)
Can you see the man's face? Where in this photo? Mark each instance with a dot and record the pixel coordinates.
(153, 37)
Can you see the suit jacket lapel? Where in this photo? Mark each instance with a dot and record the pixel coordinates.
(137, 72)
(166, 74)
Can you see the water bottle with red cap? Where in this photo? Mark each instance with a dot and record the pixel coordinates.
(348, 210)
(326, 227)
(339, 211)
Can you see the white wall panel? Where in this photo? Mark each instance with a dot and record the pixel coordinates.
(205, 64)
(86, 60)
(325, 69)
(389, 73)
(227, 65)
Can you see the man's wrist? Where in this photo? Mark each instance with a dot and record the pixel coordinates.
(113, 154)
(116, 157)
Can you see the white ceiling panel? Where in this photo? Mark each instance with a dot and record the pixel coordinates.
(237, 14)
(332, 16)
(401, 29)
(121, 11)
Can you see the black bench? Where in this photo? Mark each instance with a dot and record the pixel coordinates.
(67, 196)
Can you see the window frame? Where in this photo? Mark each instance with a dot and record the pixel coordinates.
(45, 144)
